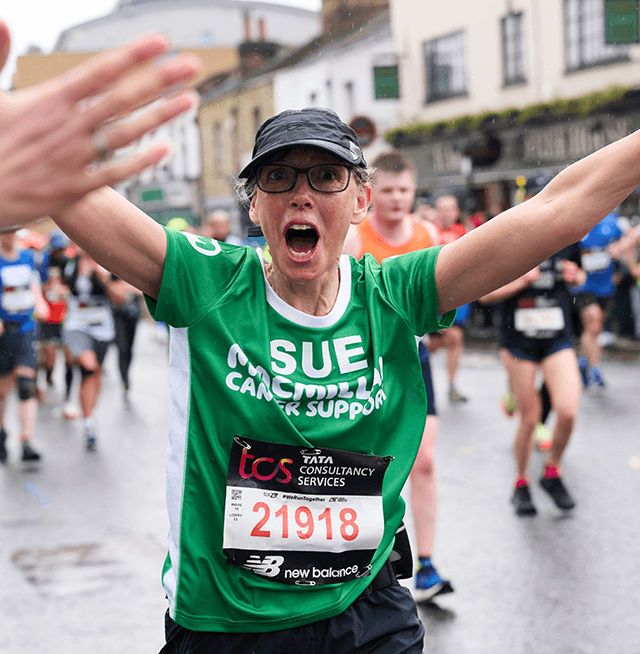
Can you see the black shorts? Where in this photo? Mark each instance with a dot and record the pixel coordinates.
(428, 380)
(583, 300)
(50, 333)
(534, 349)
(16, 349)
(382, 622)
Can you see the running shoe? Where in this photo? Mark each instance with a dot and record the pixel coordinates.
(455, 397)
(522, 501)
(606, 338)
(69, 411)
(542, 437)
(583, 366)
(429, 583)
(558, 492)
(594, 377)
(90, 435)
(3, 447)
(28, 453)
(508, 404)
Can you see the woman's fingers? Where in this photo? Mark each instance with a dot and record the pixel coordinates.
(126, 133)
(99, 73)
(51, 132)
(129, 167)
(141, 87)
(131, 130)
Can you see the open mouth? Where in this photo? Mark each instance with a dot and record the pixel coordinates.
(301, 239)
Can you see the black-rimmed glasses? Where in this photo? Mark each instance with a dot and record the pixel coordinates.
(324, 178)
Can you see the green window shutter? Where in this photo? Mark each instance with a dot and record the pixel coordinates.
(386, 82)
(622, 21)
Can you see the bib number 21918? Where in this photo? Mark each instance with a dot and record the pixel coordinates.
(319, 521)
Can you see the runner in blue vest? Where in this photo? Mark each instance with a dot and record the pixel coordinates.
(595, 298)
(20, 298)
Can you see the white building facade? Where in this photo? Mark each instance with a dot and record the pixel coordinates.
(463, 57)
(357, 77)
(504, 57)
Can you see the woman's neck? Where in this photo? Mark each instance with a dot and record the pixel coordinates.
(315, 297)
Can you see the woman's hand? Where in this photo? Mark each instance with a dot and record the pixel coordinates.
(52, 134)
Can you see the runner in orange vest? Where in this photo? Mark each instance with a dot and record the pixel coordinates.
(390, 230)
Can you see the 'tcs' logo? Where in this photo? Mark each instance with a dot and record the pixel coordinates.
(263, 475)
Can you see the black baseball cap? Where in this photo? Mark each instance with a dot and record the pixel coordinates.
(310, 127)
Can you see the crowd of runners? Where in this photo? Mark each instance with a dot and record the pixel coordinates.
(332, 352)
(59, 307)
(57, 303)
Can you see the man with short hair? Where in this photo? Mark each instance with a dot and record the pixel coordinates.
(218, 225)
(389, 230)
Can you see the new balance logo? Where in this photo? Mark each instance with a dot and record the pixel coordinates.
(268, 567)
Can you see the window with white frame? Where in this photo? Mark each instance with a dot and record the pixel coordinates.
(446, 66)
(584, 36)
(514, 49)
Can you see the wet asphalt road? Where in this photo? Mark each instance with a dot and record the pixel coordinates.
(82, 536)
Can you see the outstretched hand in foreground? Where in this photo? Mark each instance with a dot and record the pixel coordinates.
(51, 134)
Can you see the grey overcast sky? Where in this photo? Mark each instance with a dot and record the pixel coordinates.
(39, 22)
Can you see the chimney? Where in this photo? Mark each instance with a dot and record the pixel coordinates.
(341, 17)
(255, 54)
(262, 29)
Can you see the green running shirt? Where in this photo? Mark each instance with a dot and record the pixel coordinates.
(245, 365)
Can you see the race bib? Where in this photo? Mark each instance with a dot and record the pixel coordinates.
(539, 319)
(16, 276)
(17, 296)
(17, 300)
(594, 261)
(303, 516)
